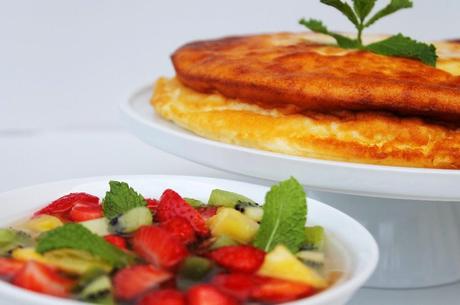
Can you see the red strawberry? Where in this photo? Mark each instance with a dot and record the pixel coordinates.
(271, 290)
(181, 228)
(205, 294)
(246, 259)
(82, 211)
(158, 246)
(116, 240)
(9, 267)
(207, 212)
(172, 205)
(163, 297)
(152, 204)
(131, 282)
(238, 285)
(40, 278)
(63, 205)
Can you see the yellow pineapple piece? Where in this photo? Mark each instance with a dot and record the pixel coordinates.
(233, 224)
(28, 254)
(281, 263)
(43, 223)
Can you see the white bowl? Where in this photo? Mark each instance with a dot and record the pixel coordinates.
(352, 247)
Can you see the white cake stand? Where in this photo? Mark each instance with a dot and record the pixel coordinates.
(414, 214)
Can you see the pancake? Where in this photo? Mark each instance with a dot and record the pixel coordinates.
(306, 70)
(365, 137)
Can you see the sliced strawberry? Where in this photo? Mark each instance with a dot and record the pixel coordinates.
(207, 212)
(271, 290)
(83, 211)
(64, 204)
(159, 246)
(172, 205)
(205, 294)
(181, 228)
(237, 285)
(9, 267)
(163, 297)
(116, 240)
(131, 282)
(246, 259)
(152, 204)
(40, 278)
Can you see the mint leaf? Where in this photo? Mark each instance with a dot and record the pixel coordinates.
(318, 27)
(344, 8)
(76, 236)
(285, 211)
(394, 6)
(403, 46)
(363, 8)
(120, 199)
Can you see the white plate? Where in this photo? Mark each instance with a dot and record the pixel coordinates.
(358, 250)
(321, 175)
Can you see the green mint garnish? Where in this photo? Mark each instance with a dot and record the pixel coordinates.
(120, 199)
(76, 236)
(284, 218)
(398, 45)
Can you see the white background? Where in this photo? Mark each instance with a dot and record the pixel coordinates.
(65, 66)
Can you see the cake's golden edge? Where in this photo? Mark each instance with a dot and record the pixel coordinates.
(366, 137)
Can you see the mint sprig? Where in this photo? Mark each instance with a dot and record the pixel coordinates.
(284, 217)
(398, 45)
(120, 199)
(76, 236)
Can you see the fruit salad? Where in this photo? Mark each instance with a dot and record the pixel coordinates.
(129, 249)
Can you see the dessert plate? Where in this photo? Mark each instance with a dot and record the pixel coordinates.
(320, 175)
(351, 248)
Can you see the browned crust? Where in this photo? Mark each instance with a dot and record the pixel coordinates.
(257, 69)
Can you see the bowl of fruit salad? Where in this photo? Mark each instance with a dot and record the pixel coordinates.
(148, 240)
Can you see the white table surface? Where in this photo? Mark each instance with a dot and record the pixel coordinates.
(65, 66)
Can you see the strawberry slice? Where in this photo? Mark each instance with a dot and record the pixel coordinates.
(163, 297)
(133, 281)
(83, 211)
(64, 204)
(181, 228)
(172, 205)
(205, 294)
(9, 267)
(40, 278)
(158, 246)
(237, 285)
(207, 212)
(246, 259)
(152, 204)
(116, 240)
(271, 290)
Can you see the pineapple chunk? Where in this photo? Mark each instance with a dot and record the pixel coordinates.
(43, 223)
(28, 254)
(281, 263)
(233, 224)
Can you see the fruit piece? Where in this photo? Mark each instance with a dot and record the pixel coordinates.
(96, 289)
(233, 224)
(158, 246)
(271, 290)
(74, 261)
(172, 205)
(195, 267)
(194, 202)
(181, 228)
(237, 285)
(313, 259)
(207, 212)
(64, 204)
(226, 199)
(40, 278)
(43, 223)
(27, 254)
(152, 204)
(131, 220)
(223, 241)
(116, 240)
(244, 259)
(314, 238)
(282, 264)
(83, 211)
(131, 282)
(252, 210)
(205, 294)
(163, 297)
(9, 267)
(98, 226)
(11, 239)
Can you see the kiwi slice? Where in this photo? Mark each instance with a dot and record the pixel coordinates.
(314, 238)
(132, 220)
(223, 241)
(98, 291)
(11, 239)
(98, 226)
(195, 267)
(194, 202)
(227, 199)
(250, 209)
(313, 259)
